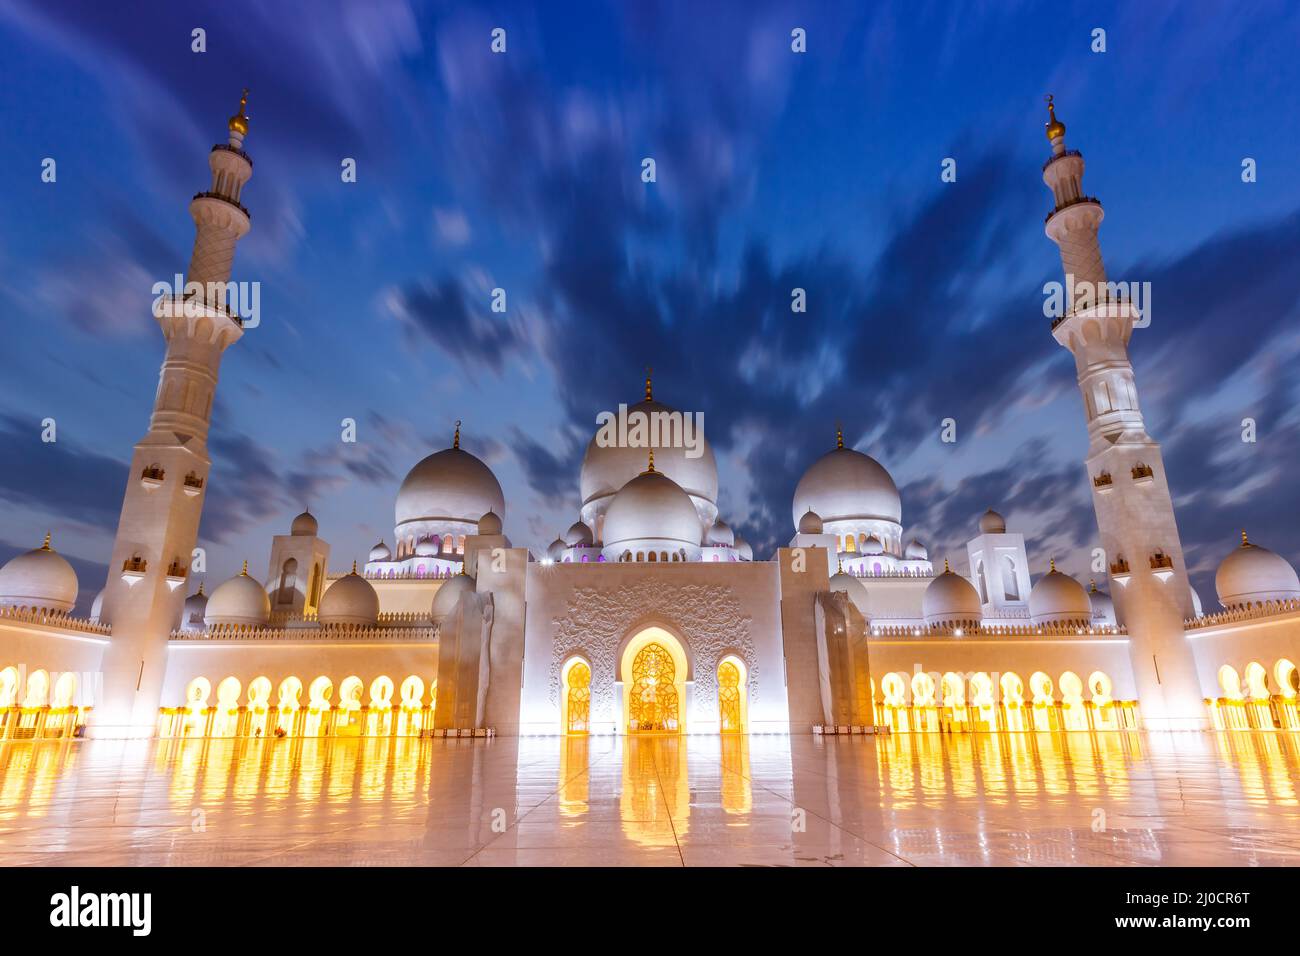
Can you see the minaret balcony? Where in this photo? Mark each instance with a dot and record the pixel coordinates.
(1103, 483)
(1120, 572)
(1081, 201)
(176, 575)
(226, 147)
(193, 485)
(1061, 155)
(133, 569)
(1143, 474)
(152, 477)
(1162, 566)
(226, 199)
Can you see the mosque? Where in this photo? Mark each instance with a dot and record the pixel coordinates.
(649, 613)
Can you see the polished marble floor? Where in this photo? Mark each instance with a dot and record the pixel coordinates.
(1103, 799)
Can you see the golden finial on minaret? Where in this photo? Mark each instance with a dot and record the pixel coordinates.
(651, 469)
(649, 391)
(239, 122)
(839, 435)
(244, 573)
(455, 440)
(1055, 128)
(46, 545)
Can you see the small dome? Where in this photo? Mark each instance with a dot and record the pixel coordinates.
(97, 606)
(1253, 575)
(555, 550)
(1103, 608)
(992, 523)
(304, 524)
(349, 600)
(40, 578)
(1059, 599)
(490, 523)
(743, 549)
(844, 485)
(950, 600)
(449, 595)
(810, 523)
(241, 600)
(916, 551)
(380, 552)
(578, 535)
(872, 545)
(426, 547)
(855, 589)
(652, 507)
(194, 611)
(720, 535)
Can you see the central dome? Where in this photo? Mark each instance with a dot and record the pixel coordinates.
(607, 468)
(449, 486)
(847, 485)
(652, 507)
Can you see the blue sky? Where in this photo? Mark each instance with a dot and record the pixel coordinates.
(775, 170)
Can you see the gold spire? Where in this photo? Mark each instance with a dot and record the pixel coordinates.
(455, 441)
(1053, 565)
(46, 545)
(1092, 585)
(839, 566)
(839, 436)
(244, 573)
(946, 569)
(651, 469)
(354, 567)
(1245, 543)
(239, 122)
(1055, 127)
(649, 391)
(200, 589)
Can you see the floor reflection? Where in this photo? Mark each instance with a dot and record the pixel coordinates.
(1022, 799)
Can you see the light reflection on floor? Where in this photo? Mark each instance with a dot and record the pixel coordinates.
(1017, 799)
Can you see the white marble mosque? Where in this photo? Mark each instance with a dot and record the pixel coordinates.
(649, 614)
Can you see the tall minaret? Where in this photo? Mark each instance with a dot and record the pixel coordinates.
(168, 479)
(1135, 513)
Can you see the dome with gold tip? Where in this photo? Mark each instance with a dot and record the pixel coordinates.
(239, 122)
(1055, 128)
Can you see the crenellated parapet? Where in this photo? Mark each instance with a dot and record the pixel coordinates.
(54, 619)
(1237, 615)
(999, 630)
(324, 634)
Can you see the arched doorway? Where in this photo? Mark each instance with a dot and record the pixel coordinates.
(577, 696)
(654, 671)
(732, 695)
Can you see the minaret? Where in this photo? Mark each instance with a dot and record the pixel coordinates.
(168, 478)
(1135, 513)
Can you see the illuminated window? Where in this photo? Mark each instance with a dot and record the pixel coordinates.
(729, 697)
(577, 702)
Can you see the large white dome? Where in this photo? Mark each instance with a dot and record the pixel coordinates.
(241, 600)
(845, 485)
(1252, 575)
(651, 507)
(41, 578)
(1059, 599)
(951, 600)
(349, 600)
(449, 486)
(607, 468)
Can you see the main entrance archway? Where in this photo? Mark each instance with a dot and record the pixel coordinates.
(653, 669)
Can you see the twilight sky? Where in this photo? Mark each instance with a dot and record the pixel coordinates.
(775, 170)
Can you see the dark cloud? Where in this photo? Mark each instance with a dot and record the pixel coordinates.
(60, 477)
(475, 334)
